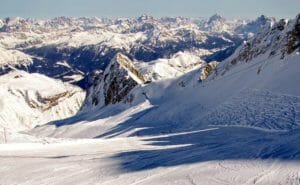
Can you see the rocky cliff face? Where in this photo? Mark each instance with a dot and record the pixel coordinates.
(114, 84)
(207, 69)
(293, 36)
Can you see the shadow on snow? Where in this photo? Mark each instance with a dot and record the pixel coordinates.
(217, 144)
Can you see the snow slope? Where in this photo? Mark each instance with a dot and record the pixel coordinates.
(241, 97)
(33, 99)
(179, 64)
(209, 156)
(13, 57)
(240, 93)
(238, 126)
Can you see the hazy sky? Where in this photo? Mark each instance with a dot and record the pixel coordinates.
(134, 8)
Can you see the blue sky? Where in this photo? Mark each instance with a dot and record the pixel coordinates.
(159, 8)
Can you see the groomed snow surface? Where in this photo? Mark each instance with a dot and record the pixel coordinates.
(241, 127)
(211, 156)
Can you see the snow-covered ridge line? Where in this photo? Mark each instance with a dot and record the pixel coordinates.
(129, 66)
(13, 57)
(178, 64)
(19, 23)
(276, 39)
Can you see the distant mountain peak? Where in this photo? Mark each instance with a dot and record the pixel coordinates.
(264, 19)
(214, 18)
(145, 17)
(275, 39)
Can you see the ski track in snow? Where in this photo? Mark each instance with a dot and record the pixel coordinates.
(192, 158)
(205, 154)
(258, 109)
(236, 131)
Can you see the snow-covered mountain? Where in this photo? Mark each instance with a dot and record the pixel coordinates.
(111, 58)
(28, 100)
(275, 40)
(252, 80)
(114, 84)
(161, 107)
(71, 48)
(87, 52)
(122, 75)
(11, 57)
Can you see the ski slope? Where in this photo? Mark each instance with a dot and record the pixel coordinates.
(208, 156)
(172, 135)
(241, 125)
(270, 100)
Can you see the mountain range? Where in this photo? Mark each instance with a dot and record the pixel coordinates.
(195, 100)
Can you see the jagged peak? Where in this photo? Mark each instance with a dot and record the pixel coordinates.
(1, 23)
(215, 17)
(128, 65)
(280, 25)
(13, 20)
(279, 40)
(262, 18)
(297, 21)
(145, 17)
